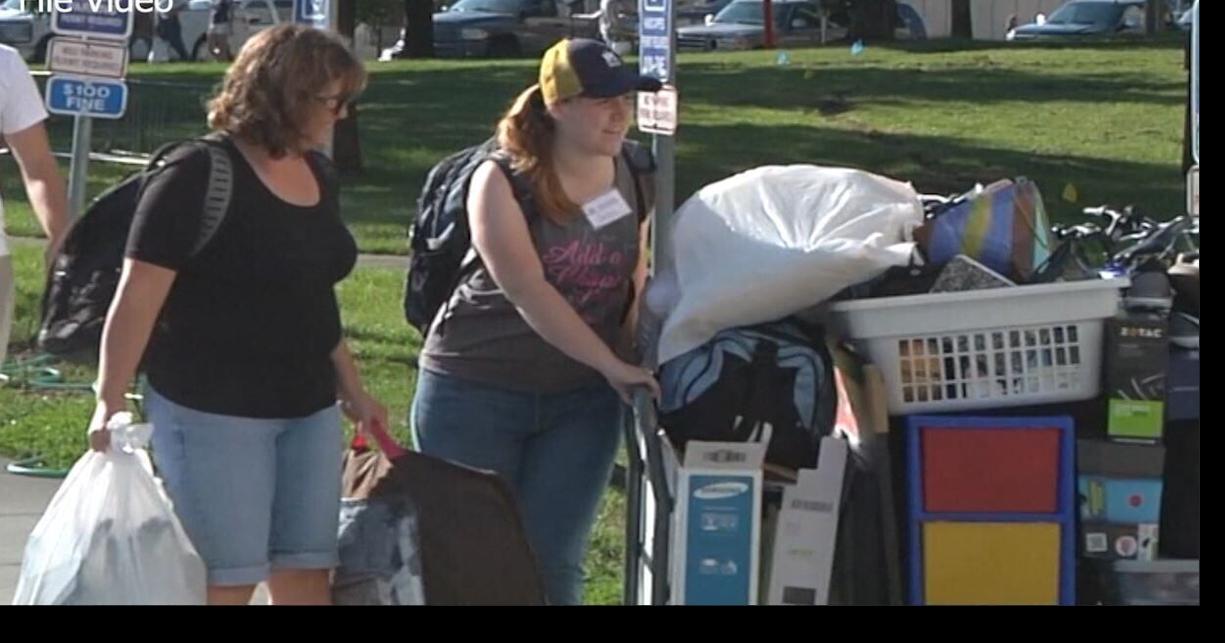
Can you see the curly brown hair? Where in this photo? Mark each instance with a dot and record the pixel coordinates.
(280, 73)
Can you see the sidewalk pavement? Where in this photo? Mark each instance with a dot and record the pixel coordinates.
(22, 501)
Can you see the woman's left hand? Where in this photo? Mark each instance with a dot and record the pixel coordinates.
(363, 410)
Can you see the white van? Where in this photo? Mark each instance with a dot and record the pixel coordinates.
(250, 16)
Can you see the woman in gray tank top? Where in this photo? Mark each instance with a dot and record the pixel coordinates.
(525, 369)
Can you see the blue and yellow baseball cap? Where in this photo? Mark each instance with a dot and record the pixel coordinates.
(586, 67)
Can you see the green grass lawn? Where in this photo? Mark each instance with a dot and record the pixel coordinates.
(51, 423)
(1104, 119)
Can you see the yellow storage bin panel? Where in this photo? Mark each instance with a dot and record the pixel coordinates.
(991, 563)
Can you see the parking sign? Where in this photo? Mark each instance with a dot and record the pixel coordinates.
(316, 13)
(107, 58)
(655, 39)
(93, 19)
(657, 112)
(92, 97)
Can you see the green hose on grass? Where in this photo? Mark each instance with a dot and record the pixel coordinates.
(35, 467)
(38, 373)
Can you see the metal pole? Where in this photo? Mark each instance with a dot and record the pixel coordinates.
(665, 204)
(1195, 82)
(665, 159)
(633, 511)
(82, 130)
(644, 424)
(665, 195)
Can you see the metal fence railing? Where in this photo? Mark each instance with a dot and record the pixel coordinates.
(158, 112)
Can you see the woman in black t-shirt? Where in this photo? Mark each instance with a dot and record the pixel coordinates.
(241, 336)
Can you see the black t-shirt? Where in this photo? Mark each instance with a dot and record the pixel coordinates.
(251, 320)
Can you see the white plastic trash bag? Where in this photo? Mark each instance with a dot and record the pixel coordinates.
(772, 242)
(110, 535)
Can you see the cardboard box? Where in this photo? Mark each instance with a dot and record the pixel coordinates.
(717, 533)
(1162, 582)
(807, 531)
(1182, 385)
(1119, 542)
(1137, 360)
(1119, 493)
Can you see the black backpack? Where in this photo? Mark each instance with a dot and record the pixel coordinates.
(440, 238)
(85, 272)
(779, 373)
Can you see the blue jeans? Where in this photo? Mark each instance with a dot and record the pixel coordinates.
(557, 452)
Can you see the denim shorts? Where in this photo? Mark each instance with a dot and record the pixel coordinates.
(253, 494)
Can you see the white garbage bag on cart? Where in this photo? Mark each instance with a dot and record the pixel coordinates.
(771, 242)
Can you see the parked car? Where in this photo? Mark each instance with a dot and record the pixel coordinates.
(741, 25)
(250, 17)
(28, 30)
(688, 12)
(1086, 19)
(702, 12)
(23, 30)
(694, 12)
(1184, 22)
(502, 28)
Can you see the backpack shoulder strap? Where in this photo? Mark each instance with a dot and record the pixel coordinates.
(522, 191)
(324, 165)
(219, 188)
(640, 161)
(522, 194)
(640, 157)
(218, 194)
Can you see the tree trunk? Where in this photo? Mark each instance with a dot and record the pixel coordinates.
(963, 23)
(346, 142)
(419, 28)
(347, 145)
(873, 19)
(346, 19)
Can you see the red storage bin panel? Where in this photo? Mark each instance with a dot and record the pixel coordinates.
(1001, 470)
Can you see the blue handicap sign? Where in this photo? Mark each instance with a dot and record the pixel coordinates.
(95, 98)
(313, 12)
(94, 19)
(655, 38)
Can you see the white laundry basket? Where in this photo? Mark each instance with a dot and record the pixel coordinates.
(987, 348)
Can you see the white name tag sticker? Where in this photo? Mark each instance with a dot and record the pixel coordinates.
(606, 208)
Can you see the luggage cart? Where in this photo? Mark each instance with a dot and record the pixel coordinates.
(650, 500)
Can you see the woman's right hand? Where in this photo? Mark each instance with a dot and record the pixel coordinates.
(99, 436)
(624, 378)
